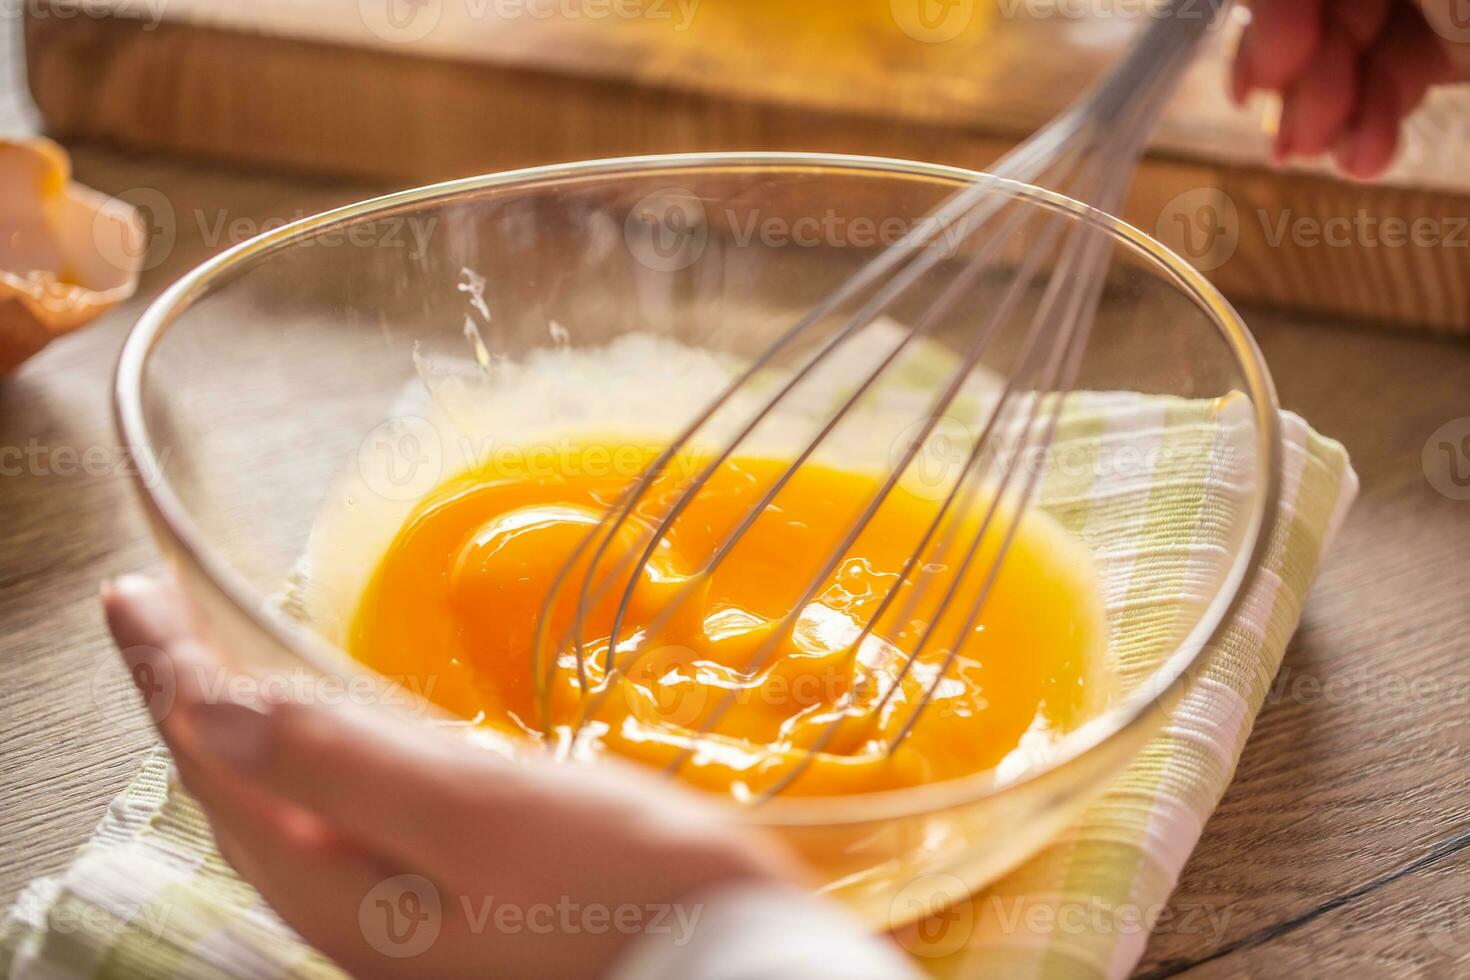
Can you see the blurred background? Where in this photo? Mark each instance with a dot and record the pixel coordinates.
(392, 93)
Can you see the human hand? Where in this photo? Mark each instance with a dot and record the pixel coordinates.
(1349, 72)
(318, 806)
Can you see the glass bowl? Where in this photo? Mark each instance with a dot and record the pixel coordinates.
(259, 378)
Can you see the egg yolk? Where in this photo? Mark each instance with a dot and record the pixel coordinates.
(781, 661)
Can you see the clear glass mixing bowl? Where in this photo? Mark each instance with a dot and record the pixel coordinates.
(257, 377)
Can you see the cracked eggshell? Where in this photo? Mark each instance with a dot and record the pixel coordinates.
(67, 253)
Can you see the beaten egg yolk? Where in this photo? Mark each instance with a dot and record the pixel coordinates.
(713, 672)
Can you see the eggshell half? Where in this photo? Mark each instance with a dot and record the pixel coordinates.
(67, 252)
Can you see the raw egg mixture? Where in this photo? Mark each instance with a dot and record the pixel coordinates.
(723, 672)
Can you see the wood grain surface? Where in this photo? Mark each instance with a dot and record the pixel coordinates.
(533, 91)
(1342, 847)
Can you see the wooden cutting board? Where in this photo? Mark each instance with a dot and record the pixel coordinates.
(409, 91)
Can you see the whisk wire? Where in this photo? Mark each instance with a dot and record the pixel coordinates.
(961, 216)
(1097, 142)
(982, 338)
(1071, 347)
(936, 411)
(757, 509)
(1002, 312)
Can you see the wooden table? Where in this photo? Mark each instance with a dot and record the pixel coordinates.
(1343, 845)
(311, 87)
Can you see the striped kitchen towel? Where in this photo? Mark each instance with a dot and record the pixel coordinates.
(1084, 907)
(1147, 482)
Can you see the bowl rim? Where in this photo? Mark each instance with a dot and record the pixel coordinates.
(170, 519)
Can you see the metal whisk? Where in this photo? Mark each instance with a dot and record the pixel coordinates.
(1089, 152)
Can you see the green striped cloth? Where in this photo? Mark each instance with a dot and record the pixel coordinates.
(1085, 905)
(1148, 482)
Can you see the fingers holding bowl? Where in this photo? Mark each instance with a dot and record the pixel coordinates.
(331, 810)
